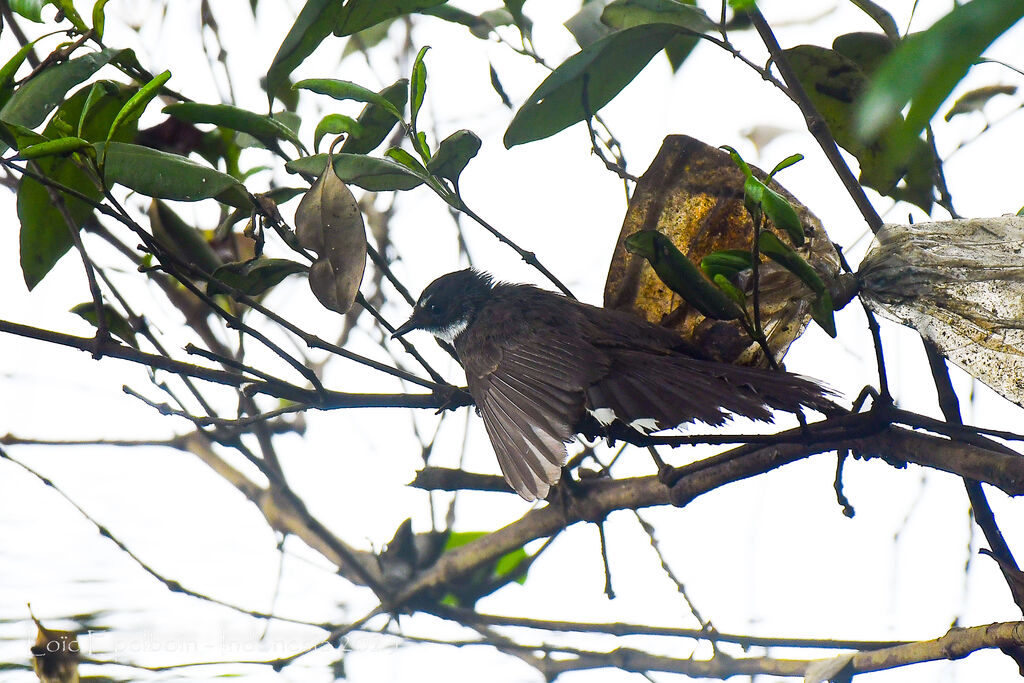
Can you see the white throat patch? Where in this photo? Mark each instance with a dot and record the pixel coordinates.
(452, 331)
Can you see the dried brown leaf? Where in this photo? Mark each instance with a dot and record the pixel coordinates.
(693, 194)
(328, 222)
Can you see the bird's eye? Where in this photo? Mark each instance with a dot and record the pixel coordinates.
(433, 308)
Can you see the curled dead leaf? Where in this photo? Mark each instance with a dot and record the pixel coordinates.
(693, 194)
(328, 222)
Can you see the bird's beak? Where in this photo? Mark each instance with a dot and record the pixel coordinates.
(413, 323)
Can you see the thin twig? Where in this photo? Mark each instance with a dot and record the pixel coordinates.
(983, 514)
(468, 616)
(945, 198)
(609, 592)
(277, 389)
(615, 167)
(170, 584)
(705, 625)
(71, 224)
(528, 256)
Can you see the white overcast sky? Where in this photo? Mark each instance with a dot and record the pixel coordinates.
(772, 556)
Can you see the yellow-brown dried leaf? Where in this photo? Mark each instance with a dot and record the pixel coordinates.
(693, 194)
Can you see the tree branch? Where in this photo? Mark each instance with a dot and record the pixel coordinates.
(815, 122)
(468, 616)
(956, 644)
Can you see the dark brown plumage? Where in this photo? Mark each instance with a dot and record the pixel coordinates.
(542, 368)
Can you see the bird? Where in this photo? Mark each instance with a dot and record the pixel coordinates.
(542, 367)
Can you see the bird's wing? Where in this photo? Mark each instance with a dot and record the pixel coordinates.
(528, 393)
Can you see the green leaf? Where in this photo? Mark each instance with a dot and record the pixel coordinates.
(606, 67)
(585, 26)
(753, 189)
(866, 50)
(30, 9)
(25, 137)
(97, 91)
(731, 291)
(503, 566)
(115, 322)
(453, 15)
(367, 38)
(753, 193)
(678, 49)
(67, 8)
(315, 22)
(125, 123)
(60, 146)
(770, 245)
(266, 129)
(419, 142)
(168, 176)
(377, 121)
(926, 67)
(822, 312)
(254, 277)
(782, 215)
(681, 276)
(738, 160)
(357, 15)
(976, 99)
(133, 108)
(99, 19)
(418, 85)
(785, 163)
(836, 85)
(335, 124)
(369, 173)
(485, 578)
(727, 262)
(880, 16)
(347, 90)
(498, 88)
(408, 161)
(45, 235)
(509, 563)
(479, 25)
(33, 101)
(457, 539)
(918, 186)
(453, 154)
(91, 111)
(127, 60)
(10, 69)
(622, 14)
(186, 242)
(522, 22)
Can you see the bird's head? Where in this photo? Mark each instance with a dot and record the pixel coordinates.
(448, 304)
